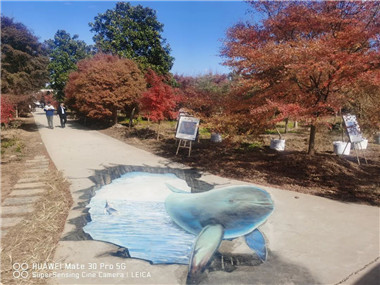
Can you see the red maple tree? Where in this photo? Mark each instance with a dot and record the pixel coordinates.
(302, 61)
(104, 84)
(159, 102)
(7, 110)
(206, 97)
(203, 94)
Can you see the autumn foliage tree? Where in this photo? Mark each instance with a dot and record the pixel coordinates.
(204, 93)
(302, 60)
(23, 64)
(205, 96)
(363, 100)
(102, 85)
(159, 102)
(23, 59)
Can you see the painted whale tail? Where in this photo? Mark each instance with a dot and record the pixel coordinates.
(108, 210)
(207, 243)
(175, 190)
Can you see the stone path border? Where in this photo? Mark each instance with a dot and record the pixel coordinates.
(27, 191)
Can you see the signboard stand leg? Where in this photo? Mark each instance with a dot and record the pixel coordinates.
(358, 147)
(357, 156)
(345, 147)
(184, 144)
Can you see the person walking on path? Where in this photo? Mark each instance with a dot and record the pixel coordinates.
(61, 111)
(49, 110)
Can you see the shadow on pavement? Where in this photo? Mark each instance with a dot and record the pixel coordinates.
(371, 278)
(276, 270)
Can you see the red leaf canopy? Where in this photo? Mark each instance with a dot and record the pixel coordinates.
(104, 84)
(160, 100)
(7, 110)
(304, 58)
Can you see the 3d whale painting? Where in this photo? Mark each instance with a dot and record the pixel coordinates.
(158, 219)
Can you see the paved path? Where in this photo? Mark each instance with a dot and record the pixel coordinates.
(20, 201)
(312, 240)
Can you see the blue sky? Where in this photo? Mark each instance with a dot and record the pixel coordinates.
(194, 30)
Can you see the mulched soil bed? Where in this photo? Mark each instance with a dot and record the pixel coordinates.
(324, 174)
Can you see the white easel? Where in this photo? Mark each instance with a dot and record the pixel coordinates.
(184, 144)
(354, 135)
(186, 132)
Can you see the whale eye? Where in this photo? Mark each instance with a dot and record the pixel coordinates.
(231, 200)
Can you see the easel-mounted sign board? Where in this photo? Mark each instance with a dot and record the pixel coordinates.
(187, 131)
(354, 134)
(187, 128)
(353, 129)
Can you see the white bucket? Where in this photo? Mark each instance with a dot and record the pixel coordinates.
(277, 144)
(340, 146)
(360, 145)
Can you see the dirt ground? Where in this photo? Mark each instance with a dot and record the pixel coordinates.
(324, 174)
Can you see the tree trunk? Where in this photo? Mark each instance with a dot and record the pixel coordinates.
(313, 131)
(114, 115)
(286, 125)
(131, 118)
(295, 124)
(158, 130)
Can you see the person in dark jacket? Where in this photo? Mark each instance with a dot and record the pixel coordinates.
(49, 110)
(62, 114)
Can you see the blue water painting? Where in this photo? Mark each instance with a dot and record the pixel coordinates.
(138, 220)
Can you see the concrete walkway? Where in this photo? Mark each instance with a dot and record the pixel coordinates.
(311, 240)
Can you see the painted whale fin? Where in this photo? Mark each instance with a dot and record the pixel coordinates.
(174, 189)
(205, 246)
(256, 241)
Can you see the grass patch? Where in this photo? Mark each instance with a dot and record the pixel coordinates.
(11, 145)
(204, 132)
(19, 147)
(8, 142)
(250, 146)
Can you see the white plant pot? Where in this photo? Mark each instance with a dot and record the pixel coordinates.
(216, 137)
(340, 146)
(277, 144)
(377, 138)
(361, 145)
